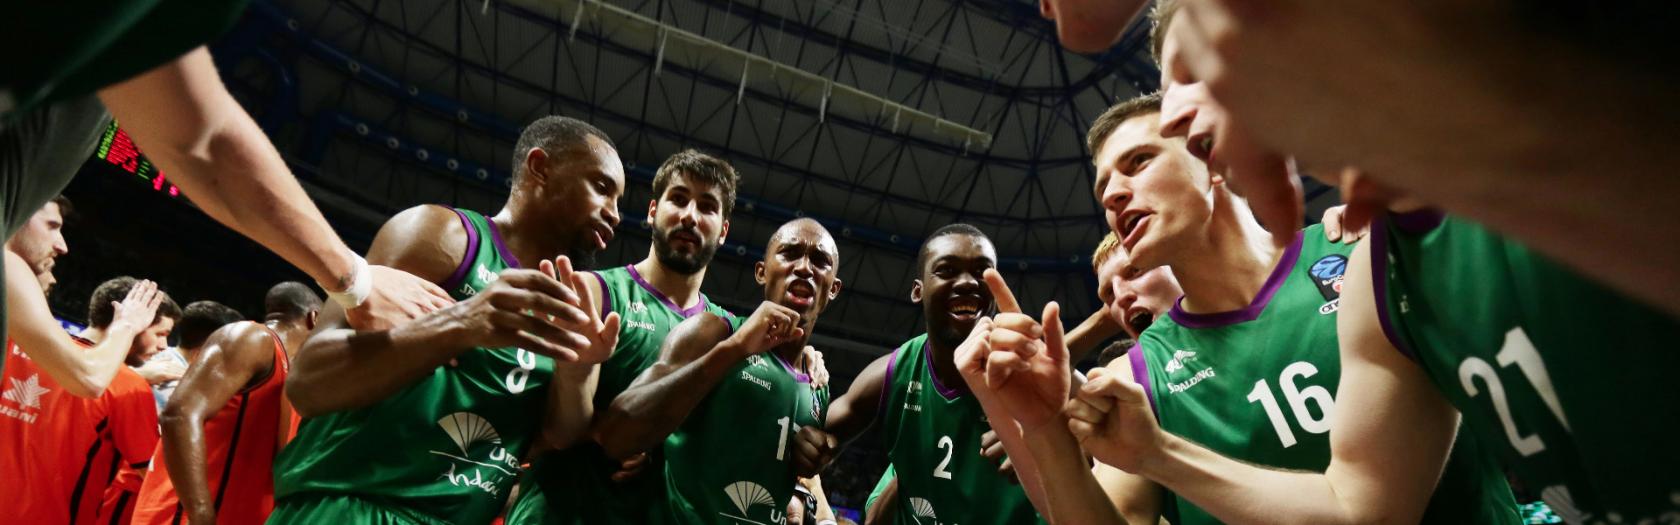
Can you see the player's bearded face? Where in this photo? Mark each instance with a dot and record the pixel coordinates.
(683, 249)
(688, 224)
(951, 290)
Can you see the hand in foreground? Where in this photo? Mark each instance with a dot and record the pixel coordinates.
(397, 297)
(1018, 359)
(1111, 417)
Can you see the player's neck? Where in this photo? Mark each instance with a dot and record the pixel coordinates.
(1229, 264)
(530, 247)
(291, 335)
(944, 363)
(683, 290)
(793, 353)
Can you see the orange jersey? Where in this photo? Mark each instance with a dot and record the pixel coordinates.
(240, 442)
(59, 452)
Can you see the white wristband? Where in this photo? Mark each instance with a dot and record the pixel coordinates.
(361, 286)
(827, 522)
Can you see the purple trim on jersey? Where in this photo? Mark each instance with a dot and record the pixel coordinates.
(886, 388)
(797, 375)
(698, 307)
(606, 296)
(1280, 273)
(1379, 285)
(501, 246)
(1420, 221)
(947, 393)
(1140, 374)
(460, 274)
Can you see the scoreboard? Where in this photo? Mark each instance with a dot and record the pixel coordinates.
(116, 148)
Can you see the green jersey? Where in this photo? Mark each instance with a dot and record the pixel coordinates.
(447, 448)
(1569, 384)
(731, 461)
(1258, 384)
(932, 434)
(574, 485)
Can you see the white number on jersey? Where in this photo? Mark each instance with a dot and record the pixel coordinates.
(1517, 350)
(517, 377)
(1297, 399)
(939, 471)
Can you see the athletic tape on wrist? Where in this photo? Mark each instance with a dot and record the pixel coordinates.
(361, 286)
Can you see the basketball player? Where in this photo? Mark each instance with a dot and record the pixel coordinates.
(65, 451)
(229, 418)
(1256, 323)
(1423, 357)
(146, 62)
(76, 369)
(932, 426)
(1396, 85)
(734, 406)
(198, 320)
(694, 195)
(389, 433)
(1130, 304)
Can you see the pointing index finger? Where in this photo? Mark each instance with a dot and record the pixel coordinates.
(1000, 292)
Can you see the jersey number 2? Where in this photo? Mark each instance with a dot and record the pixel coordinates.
(1297, 398)
(1517, 350)
(946, 444)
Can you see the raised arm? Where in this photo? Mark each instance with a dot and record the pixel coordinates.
(1090, 334)
(1389, 440)
(232, 358)
(82, 372)
(571, 396)
(694, 358)
(857, 409)
(339, 368)
(182, 116)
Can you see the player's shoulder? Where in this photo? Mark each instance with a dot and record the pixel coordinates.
(128, 383)
(245, 337)
(427, 240)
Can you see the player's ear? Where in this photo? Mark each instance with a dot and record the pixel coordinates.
(310, 318)
(758, 273)
(653, 205)
(724, 232)
(916, 292)
(834, 289)
(536, 165)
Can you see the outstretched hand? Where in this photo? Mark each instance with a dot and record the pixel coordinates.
(397, 298)
(601, 334)
(1022, 361)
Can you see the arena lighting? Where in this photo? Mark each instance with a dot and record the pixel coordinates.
(762, 74)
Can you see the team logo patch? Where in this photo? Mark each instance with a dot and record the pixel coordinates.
(1327, 274)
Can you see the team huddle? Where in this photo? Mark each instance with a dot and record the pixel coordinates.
(1393, 364)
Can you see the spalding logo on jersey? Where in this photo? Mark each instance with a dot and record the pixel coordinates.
(1327, 274)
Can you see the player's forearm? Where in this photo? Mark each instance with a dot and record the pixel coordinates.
(343, 369)
(1009, 432)
(1237, 492)
(1090, 333)
(183, 118)
(1061, 473)
(571, 404)
(184, 453)
(645, 413)
(83, 373)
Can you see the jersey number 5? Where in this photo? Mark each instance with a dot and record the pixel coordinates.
(1297, 398)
